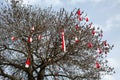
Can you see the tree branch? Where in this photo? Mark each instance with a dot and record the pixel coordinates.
(6, 75)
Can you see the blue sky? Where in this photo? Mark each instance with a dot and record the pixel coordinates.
(103, 13)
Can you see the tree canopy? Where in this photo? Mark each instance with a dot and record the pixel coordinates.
(43, 44)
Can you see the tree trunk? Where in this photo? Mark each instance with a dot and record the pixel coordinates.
(30, 77)
(41, 74)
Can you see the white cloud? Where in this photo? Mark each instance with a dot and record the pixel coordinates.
(43, 3)
(54, 2)
(113, 63)
(97, 1)
(112, 23)
(29, 1)
(84, 1)
(77, 1)
(59, 2)
(108, 77)
(115, 4)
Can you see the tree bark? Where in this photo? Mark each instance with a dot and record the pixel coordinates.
(29, 77)
(41, 74)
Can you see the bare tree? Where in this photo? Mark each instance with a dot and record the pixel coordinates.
(42, 44)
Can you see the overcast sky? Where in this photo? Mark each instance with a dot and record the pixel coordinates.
(103, 13)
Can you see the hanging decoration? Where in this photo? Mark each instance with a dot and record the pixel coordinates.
(76, 26)
(12, 38)
(89, 45)
(30, 39)
(76, 39)
(99, 51)
(97, 65)
(93, 32)
(39, 37)
(33, 28)
(80, 18)
(27, 64)
(105, 43)
(63, 41)
(78, 12)
(86, 19)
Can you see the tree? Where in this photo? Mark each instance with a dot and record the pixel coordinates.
(42, 44)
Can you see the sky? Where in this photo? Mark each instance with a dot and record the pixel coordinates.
(103, 13)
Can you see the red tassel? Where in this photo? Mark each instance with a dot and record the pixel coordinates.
(86, 19)
(39, 37)
(105, 43)
(99, 50)
(76, 26)
(27, 64)
(76, 39)
(80, 18)
(89, 45)
(29, 39)
(12, 38)
(79, 12)
(63, 42)
(97, 65)
(93, 32)
(33, 28)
